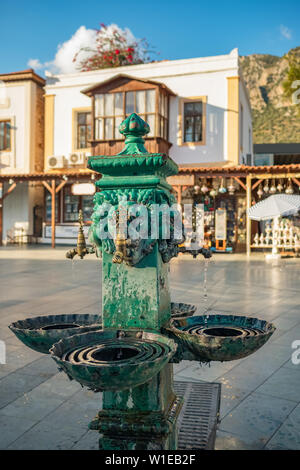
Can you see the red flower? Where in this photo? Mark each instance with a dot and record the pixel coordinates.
(129, 57)
(130, 49)
(117, 51)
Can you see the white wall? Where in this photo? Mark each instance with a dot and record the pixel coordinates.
(16, 209)
(16, 107)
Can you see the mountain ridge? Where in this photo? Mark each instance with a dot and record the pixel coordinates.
(275, 117)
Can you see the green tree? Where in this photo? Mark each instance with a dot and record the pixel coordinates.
(291, 85)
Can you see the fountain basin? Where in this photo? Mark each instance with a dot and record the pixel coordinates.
(113, 359)
(40, 333)
(220, 337)
(179, 310)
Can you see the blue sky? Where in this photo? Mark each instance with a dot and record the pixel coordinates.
(178, 29)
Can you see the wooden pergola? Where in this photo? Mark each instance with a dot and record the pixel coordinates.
(248, 178)
(53, 181)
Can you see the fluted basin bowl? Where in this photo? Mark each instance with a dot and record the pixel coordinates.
(40, 333)
(113, 359)
(179, 309)
(220, 337)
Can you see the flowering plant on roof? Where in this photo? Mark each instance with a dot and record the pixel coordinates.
(113, 47)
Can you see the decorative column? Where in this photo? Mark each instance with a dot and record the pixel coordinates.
(136, 288)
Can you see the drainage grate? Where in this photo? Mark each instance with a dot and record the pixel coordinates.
(199, 417)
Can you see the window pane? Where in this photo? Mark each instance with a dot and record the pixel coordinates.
(166, 129)
(161, 104)
(99, 128)
(188, 129)
(88, 118)
(99, 105)
(87, 207)
(81, 117)
(8, 128)
(82, 140)
(118, 104)
(118, 121)
(109, 128)
(140, 102)
(151, 121)
(2, 124)
(166, 106)
(71, 208)
(89, 134)
(129, 102)
(150, 101)
(198, 108)
(161, 132)
(109, 104)
(198, 128)
(193, 121)
(48, 207)
(188, 109)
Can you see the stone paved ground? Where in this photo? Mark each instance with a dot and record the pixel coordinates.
(41, 409)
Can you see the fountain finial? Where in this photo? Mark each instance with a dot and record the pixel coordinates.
(133, 128)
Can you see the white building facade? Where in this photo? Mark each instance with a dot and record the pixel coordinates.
(216, 82)
(21, 148)
(198, 111)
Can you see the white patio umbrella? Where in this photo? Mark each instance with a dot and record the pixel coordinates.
(277, 205)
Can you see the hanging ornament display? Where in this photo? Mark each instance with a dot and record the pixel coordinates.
(260, 191)
(204, 187)
(289, 189)
(231, 187)
(266, 186)
(213, 192)
(222, 188)
(197, 189)
(273, 188)
(279, 186)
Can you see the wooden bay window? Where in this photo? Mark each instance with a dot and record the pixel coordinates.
(117, 98)
(112, 108)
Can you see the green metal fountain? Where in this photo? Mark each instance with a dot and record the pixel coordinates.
(128, 353)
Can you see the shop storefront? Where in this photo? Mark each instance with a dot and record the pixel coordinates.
(224, 213)
(227, 193)
(67, 206)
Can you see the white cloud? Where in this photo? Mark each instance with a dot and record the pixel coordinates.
(63, 60)
(34, 64)
(83, 37)
(285, 32)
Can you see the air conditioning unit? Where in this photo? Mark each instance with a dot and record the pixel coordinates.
(77, 158)
(54, 161)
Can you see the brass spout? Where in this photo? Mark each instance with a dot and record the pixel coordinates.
(201, 251)
(120, 253)
(81, 249)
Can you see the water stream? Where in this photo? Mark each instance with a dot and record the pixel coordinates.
(205, 291)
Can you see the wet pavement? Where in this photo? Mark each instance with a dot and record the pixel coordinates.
(260, 409)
